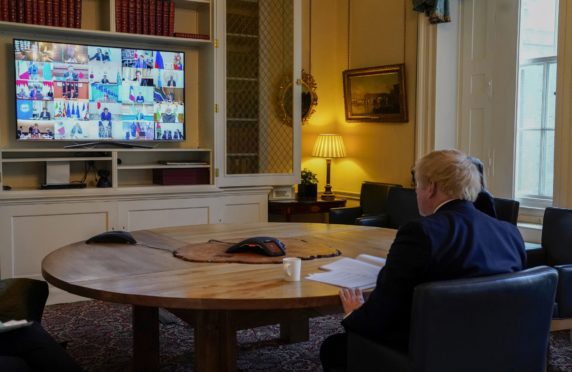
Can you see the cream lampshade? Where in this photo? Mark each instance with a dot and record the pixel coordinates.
(329, 146)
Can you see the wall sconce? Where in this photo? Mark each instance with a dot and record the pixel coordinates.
(329, 146)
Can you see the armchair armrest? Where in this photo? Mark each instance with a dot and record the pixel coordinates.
(535, 257)
(380, 220)
(368, 356)
(344, 215)
(22, 298)
(564, 291)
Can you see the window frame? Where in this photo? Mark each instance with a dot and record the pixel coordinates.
(535, 200)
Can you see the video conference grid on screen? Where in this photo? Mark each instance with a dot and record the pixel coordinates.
(86, 93)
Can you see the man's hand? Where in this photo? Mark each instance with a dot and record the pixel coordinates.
(352, 298)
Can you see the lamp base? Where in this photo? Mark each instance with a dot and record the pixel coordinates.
(328, 196)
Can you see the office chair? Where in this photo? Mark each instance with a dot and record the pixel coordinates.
(373, 200)
(495, 323)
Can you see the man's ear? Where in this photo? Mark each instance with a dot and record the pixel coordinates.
(432, 189)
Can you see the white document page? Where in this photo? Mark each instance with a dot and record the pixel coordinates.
(374, 260)
(351, 273)
(345, 279)
(351, 265)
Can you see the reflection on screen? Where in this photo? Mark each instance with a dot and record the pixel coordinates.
(89, 93)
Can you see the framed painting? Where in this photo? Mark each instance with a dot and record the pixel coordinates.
(375, 94)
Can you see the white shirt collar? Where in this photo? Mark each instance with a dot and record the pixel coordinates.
(442, 204)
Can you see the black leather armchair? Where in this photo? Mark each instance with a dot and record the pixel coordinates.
(373, 200)
(496, 323)
(507, 209)
(401, 208)
(22, 298)
(556, 251)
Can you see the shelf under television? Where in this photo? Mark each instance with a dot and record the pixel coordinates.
(23, 169)
(125, 190)
(38, 154)
(31, 160)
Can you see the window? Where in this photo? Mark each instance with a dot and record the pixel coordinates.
(536, 102)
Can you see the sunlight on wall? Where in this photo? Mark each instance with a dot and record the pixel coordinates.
(382, 152)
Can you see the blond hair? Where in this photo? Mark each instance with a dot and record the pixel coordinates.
(453, 172)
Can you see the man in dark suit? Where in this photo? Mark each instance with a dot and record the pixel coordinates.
(104, 79)
(141, 81)
(452, 240)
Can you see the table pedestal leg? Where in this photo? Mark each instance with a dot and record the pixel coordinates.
(215, 342)
(295, 329)
(145, 338)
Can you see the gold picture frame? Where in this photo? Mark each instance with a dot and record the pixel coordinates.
(376, 94)
(309, 98)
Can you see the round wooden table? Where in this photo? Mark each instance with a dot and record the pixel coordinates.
(217, 299)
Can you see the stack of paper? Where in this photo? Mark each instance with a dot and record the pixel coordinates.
(360, 272)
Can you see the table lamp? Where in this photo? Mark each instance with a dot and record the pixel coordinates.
(329, 146)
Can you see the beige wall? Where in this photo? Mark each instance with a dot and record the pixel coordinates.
(379, 33)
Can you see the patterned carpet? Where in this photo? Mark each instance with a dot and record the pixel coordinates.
(103, 343)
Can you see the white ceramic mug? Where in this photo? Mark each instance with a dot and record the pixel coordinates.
(292, 267)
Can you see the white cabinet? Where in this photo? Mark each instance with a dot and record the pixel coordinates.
(32, 227)
(244, 206)
(165, 212)
(241, 205)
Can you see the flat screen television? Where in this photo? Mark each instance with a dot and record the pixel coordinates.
(74, 92)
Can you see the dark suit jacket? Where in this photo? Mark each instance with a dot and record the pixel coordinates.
(457, 241)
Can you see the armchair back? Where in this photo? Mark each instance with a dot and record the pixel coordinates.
(373, 197)
(557, 235)
(507, 209)
(496, 323)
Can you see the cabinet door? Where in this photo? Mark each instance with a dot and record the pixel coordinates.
(28, 232)
(155, 213)
(259, 56)
(251, 208)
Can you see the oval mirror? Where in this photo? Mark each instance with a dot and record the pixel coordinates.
(309, 98)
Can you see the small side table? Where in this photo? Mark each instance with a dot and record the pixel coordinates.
(289, 207)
